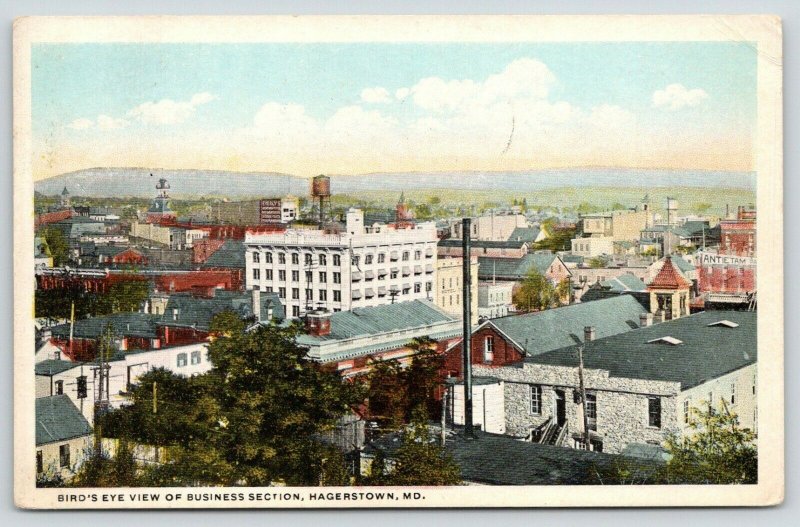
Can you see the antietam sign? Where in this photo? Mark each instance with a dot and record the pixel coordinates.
(705, 259)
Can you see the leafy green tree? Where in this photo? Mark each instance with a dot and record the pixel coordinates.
(701, 208)
(423, 211)
(423, 377)
(718, 451)
(56, 244)
(104, 471)
(618, 206)
(387, 393)
(563, 290)
(421, 460)
(126, 296)
(535, 293)
(597, 262)
(434, 200)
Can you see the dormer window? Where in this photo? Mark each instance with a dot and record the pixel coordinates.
(724, 323)
(666, 340)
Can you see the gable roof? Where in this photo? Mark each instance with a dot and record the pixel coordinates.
(198, 311)
(231, 254)
(515, 268)
(375, 320)
(551, 329)
(706, 350)
(57, 419)
(624, 282)
(50, 367)
(524, 234)
(669, 278)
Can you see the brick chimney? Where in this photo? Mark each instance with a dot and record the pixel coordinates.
(257, 303)
(588, 333)
(318, 323)
(645, 320)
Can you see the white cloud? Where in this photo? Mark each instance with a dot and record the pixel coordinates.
(167, 111)
(81, 124)
(676, 96)
(375, 95)
(401, 93)
(105, 122)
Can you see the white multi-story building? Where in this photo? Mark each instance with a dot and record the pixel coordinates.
(363, 266)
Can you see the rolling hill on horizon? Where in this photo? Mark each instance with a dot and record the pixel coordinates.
(188, 183)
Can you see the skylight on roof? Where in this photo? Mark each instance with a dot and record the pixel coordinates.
(666, 340)
(726, 323)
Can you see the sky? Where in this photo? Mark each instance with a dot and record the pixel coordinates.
(356, 108)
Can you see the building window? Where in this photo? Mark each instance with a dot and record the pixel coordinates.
(281, 258)
(654, 412)
(405, 256)
(323, 260)
(337, 278)
(733, 393)
(444, 286)
(269, 274)
(256, 257)
(63, 455)
(591, 410)
(368, 259)
(429, 286)
(295, 311)
(536, 399)
(406, 290)
(323, 277)
(295, 276)
(39, 462)
(282, 292)
(295, 293)
(296, 258)
(269, 287)
(181, 360)
(337, 296)
(308, 258)
(309, 294)
(59, 387)
(256, 274)
(309, 276)
(282, 275)
(418, 255)
(686, 411)
(381, 257)
(393, 275)
(323, 295)
(269, 257)
(337, 260)
(355, 260)
(488, 348)
(417, 288)
(195, 357)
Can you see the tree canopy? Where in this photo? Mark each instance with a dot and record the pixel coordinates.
(535, 293)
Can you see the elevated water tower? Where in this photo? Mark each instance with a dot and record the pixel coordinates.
(321, 193)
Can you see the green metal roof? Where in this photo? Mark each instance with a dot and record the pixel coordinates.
(57, 419)
(624, 282)
(705, 351)
(198, 312)
(551, 329)
(524, 234)
(375, 320)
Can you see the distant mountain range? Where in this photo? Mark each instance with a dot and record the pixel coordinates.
(138, 182)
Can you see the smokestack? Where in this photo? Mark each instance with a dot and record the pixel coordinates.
(318, 323)
(588, 333)
(645, 320)
(257, 303)
(466, 281)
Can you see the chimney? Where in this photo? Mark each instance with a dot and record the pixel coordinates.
(588, 333)
(645, 320)
(318, 323)
(174, 313)
(257, 303)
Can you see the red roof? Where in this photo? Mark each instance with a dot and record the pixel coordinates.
(669, 278)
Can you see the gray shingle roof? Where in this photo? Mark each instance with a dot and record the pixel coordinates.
(57, 419)
(514, 268)
(556, 328)
(128, 324)
(705, 352)
(524, 234)
(54, 367)
(380, 319)
(231, 254)
(480, 244)
(198, 312)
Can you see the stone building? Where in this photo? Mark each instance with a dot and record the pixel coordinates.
(640, 385)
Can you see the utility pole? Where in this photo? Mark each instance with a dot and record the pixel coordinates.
(444, 414)
(583, 398)
(466, 281)
(155, 397)
(101, 401)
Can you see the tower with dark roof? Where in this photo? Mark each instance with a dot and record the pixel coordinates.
(65, 199)
(159, 209)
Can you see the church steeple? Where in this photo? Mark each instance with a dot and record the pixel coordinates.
(160, 210)
(65, 199)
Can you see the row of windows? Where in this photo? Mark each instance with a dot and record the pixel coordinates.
(322, 259)
(322, 276)
(322, 294)
(653, 407)
(712, 402)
